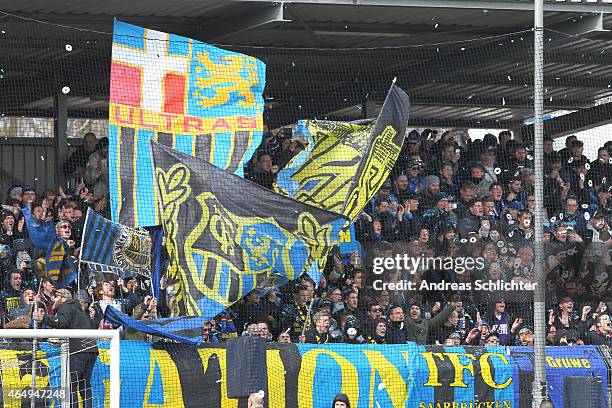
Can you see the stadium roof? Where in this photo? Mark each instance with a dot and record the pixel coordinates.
(471, 92)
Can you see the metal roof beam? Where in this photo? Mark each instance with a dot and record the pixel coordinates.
(585, 24)
(461, 123)
(99, 19)
(557, 6)
(574, 122)
(501, 81)
(394, 30)
(268, 14)
(498, 103)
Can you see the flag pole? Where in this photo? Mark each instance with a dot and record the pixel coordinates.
(81, 249)
(161, 212)
(309, 313)
(34, 345)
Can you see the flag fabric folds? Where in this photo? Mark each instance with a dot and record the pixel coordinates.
(61, 269)
(199, 99)
(226, 236)
(184, 329)
(112, 247)
(345, 164)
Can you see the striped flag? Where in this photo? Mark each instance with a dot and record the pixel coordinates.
(193, 97)
(112, 247)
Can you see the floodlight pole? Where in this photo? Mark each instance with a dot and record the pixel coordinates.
(539, 379)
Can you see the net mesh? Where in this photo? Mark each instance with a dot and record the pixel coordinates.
(454, 219)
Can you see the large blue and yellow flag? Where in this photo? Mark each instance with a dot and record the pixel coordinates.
(345, 164)
(183, 93)
(226, 236)
(115, 248)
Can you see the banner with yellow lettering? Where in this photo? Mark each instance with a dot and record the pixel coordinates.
(188, 95)
(305, 376)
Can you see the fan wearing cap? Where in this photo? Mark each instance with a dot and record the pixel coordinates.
(454, 339)
(478, 335)
(489, 164)
(410, 149)
(15, 194)
(352, 333)
(413, 175)
(383, 192)
(431, 187)
(525, 337)
(320, 333)
(325, 306)
(599, 228)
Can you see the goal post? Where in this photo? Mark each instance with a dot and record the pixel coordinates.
(114, 349)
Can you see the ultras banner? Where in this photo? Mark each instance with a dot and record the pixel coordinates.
(172, 375)
(186, 94)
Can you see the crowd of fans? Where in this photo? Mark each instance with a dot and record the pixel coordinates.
(448, 197)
